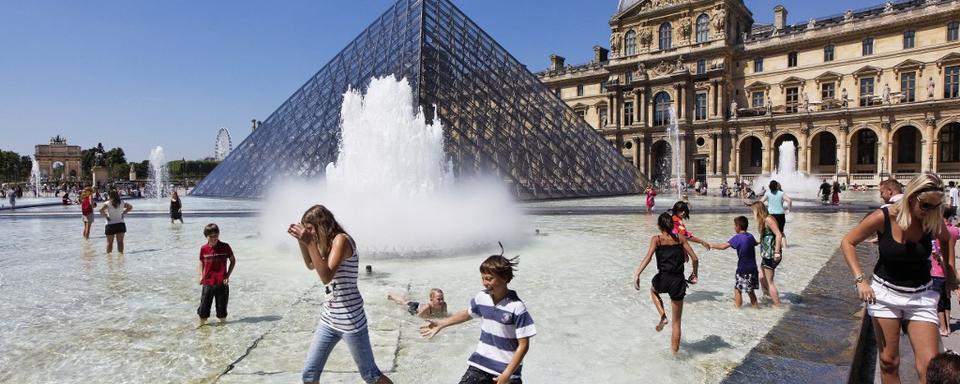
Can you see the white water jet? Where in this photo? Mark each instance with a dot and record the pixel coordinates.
(676, 167)
(791, 181)
(35, 176)
(392, 186)
(156, 187)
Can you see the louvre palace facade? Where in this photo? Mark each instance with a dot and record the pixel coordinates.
(864, 95)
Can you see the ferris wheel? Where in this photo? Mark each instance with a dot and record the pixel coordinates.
(223, 146)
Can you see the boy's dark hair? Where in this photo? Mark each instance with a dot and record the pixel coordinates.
(500, 266)
(741, 222)
(944, 369)
(210, 229)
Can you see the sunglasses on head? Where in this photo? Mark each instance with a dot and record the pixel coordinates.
(927, 206)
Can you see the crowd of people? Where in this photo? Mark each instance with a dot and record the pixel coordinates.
(910, 286)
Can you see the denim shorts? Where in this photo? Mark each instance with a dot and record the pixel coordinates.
(325, 338)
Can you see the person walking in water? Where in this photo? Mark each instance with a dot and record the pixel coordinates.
(86, 209)
(176, 208)
(651, 197)
(114, 210)
(670, 250)
(327, 249)
(771, 248)
(900, 290)
(774, 199)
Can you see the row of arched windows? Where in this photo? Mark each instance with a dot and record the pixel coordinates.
(665, 35)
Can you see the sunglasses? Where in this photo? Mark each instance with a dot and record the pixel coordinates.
(927, 206)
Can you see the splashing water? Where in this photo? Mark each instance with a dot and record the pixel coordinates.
(35, 176)
(391, 186)
(158, 174)
(791, 181)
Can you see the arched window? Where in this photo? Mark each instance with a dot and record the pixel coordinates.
(661, 109)
(703, 28)
(630, 43)
(666, 36)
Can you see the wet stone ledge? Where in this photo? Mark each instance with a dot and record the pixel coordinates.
(819, 340)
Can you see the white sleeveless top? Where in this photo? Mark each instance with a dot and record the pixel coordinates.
(343, 309)
(114, 214)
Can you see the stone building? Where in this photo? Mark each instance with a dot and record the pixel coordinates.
(863, 95)
(60, 157)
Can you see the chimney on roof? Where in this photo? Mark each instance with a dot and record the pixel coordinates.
(556, 62)
(779, 17)
(599, 54)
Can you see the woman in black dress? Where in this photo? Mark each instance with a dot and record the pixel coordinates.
(176, 208)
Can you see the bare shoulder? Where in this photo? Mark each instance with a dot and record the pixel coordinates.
(342, 241)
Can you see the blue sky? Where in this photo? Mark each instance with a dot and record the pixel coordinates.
(138, 74)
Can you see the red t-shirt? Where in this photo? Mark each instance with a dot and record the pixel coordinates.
(86, 206)
(214, 261)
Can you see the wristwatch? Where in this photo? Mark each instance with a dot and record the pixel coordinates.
(859, 279)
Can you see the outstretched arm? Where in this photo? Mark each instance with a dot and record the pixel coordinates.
(646, 260)
(720, 246)
(697, 240)
(432, 328)
(693, 257)
(788, 200)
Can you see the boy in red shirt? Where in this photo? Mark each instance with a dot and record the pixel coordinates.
(214, 274)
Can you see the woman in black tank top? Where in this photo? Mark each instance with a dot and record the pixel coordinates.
(900, 289)
(671, 251)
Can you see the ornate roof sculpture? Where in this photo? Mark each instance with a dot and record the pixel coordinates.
(498, 118)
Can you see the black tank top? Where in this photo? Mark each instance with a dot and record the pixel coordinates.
(670, 259)
(906, 264)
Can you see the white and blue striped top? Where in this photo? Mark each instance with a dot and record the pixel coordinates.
(501, 324)
(343, 309)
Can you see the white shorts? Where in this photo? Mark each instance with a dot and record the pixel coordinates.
(890, 304)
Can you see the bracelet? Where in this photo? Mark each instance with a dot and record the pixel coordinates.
(859, 279)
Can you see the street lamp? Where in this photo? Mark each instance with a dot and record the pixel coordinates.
(836, 170)
(881, 166)
(930, 163)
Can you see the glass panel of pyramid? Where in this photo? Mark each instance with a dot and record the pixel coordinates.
(497, 116)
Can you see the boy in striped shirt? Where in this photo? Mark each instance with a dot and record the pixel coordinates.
(505, 326)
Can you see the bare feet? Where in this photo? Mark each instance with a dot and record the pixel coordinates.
(663, 323)
(944, 333)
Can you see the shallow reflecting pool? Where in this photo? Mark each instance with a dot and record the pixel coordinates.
(69, 312)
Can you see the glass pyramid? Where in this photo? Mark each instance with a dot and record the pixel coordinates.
(498, 118)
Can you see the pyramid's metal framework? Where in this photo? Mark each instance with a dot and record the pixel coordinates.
(498, 118)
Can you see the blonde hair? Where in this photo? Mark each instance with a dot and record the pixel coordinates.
(87, 191)
(435, 291)
(326, 226)
(761, 213)
(919, 185)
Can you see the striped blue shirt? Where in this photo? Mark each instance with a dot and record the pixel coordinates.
(501, 324)
(343, 309)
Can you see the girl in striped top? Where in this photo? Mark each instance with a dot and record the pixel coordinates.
(329, 250)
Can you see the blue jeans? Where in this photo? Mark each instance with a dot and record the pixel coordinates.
(325, 338)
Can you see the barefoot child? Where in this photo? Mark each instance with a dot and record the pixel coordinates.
(505, 326)
(214, 274)
(670, 249)
(747, 279)
(436, 307)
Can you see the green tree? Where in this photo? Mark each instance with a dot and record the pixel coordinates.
(115, 156)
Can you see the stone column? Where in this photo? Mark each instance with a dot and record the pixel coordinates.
(678, 103)
(712, 155)
(843, 149)
(802, 156)
(882, 150)
(767, 160)
(927, 144)
(711, 106)
(734, 161)
(639, 107)
(721, 105)
(635, 151)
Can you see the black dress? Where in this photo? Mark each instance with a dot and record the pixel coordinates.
(669, 278)
(175, 210)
